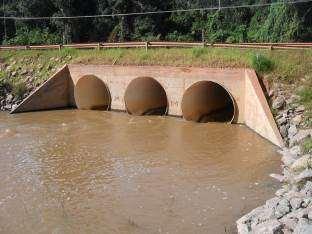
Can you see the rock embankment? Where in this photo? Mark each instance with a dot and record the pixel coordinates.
(290, 211)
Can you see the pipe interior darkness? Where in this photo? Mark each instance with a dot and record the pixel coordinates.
(145, 96)
(91, 93)
(207, 101)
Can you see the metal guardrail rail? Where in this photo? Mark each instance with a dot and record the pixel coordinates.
(158, 44)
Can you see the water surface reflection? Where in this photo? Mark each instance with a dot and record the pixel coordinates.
(96, 172)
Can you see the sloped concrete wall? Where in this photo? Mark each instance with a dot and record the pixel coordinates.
(258, 115)
(55, 93)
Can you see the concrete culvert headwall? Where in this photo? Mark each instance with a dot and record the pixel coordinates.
(145, 96)
(207, 101)
(198, 94)
(91, 93)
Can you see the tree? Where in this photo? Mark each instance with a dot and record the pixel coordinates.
(284, 22)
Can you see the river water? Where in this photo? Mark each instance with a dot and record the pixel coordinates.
(103, 172)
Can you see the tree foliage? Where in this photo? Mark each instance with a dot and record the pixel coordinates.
(278, 23)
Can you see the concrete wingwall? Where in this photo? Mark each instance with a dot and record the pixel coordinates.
(258, 115)
(251, 107)
(52, 94)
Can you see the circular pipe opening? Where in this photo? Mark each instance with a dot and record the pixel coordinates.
(146, 96)
(207, 101)
(91, 93)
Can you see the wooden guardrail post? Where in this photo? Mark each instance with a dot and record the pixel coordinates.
(146, 45)
(60, 47)
(98, 46)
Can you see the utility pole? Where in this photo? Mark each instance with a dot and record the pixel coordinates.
(202, 31)
(4, 21)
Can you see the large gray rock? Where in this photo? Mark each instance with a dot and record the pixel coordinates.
(9, 98)
(300, 109)
(307, 189)
(282, 208)
(301, 164)
(297, 214)
(306, 201)
(278, 103)
(7, 107)
(251, 219)
(288, 159)
(292, 131)
(295, 150)
(303, 227)
(296, 202)
(269, 227)
(272, 203)
(305, 175)
(281, 192)
(296, 120)
(289, 222)
(283, 131)
(282, 120)
(302, 135)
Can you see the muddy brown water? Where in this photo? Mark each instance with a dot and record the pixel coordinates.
(103, 172)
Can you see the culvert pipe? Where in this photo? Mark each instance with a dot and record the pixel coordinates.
(145, 96)
(91, 93)
(207, 101)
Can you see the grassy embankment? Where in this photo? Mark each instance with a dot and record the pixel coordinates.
(291, 69)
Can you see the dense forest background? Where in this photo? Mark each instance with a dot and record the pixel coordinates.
(278, 23)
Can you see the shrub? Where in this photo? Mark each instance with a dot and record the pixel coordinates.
(307, 146)
(261, 63)
(19, 89)
(5, 85)
(25, 36)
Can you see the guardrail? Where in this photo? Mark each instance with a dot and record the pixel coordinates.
(158, 44)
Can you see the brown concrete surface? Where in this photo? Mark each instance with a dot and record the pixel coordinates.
(251, 107)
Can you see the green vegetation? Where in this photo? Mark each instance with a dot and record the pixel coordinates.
(286, 66)
(19, 89)
(305, 94)
(276, 23)
(307, 146)
(26, 69)
(261, 63)
(290, 67)
(25, 36)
